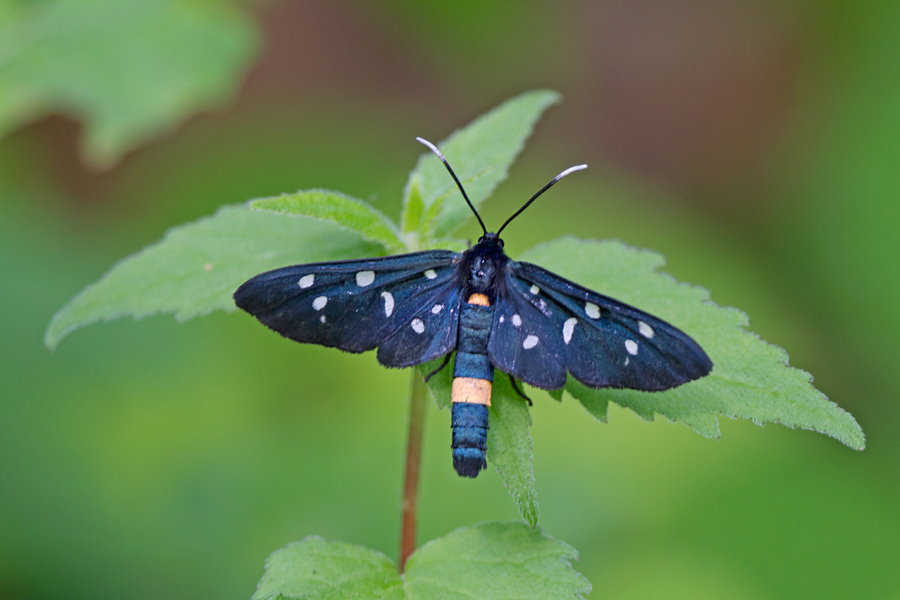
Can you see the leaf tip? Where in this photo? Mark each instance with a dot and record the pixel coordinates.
(51, 337)
(58, 329)
(548, 97)
(857, 439)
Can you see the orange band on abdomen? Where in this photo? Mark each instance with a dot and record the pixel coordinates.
(471, 390)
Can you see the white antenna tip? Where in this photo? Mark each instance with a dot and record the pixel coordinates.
(571, 170)
(432, 146)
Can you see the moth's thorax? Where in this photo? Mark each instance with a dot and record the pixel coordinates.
(483, 263)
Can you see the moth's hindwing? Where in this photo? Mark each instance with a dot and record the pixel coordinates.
(545, 325)
(357, 305)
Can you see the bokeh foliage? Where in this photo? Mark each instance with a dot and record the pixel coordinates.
(127, 70)
(168, 460)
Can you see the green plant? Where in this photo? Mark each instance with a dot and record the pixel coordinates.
(196, 267)
(129, 70)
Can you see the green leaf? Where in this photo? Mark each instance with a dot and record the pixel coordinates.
(129, 70)
(413, 206)
(195, 268)
(344, 211)
(489, 561)
(318, 569)
(493, 561)
(440, 383)
(751, 379)
(480, 154)
(509, 447)
(433, 212)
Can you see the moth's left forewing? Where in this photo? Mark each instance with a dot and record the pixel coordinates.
(607, 343)
(351, 305)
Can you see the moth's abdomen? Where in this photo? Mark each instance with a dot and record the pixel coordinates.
(471, 392)
(470, 425)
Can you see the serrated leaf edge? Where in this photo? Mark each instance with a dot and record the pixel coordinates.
(783, 358)
(396, 245)
(51, 341)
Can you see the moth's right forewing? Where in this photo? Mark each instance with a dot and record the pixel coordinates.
(607, 343)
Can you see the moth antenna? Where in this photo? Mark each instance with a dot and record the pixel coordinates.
(455, 178)
(541, 191)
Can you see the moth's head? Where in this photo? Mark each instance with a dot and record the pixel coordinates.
(490, 239)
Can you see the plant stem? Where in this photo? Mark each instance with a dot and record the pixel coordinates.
(417, 394)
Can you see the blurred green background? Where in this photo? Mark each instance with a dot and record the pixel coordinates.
(755, 144)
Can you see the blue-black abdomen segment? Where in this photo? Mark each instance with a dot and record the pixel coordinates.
(470, 424)
(476, 322)
(471, 350)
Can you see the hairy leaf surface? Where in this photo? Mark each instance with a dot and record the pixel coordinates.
(196, 268)
(490, 561)
(480, 154)
(324, 570)
(509, 447)
(750, 379)
(340, 209)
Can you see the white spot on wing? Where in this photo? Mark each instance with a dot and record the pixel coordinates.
(437, 308)
(530, 342)
(502, 318)
(430, 274)
(592, 310)
(631, 346)
(535, 290)
(388, 303)
(417, 325)
(322, 318)
(627, 360)
(364, 278)
(517, 320)
(568, 329)
(320, 302)
(306, 281)
(645, 330)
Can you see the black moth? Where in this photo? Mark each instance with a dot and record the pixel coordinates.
(493, 311)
